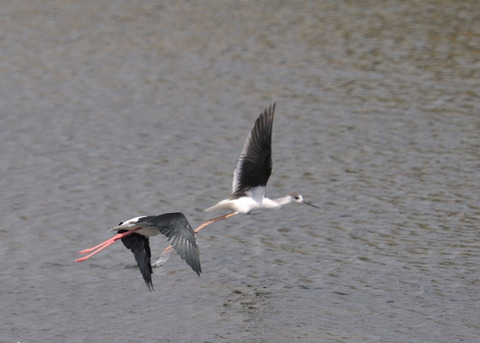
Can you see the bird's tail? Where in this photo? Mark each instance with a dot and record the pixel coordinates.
(222, 205)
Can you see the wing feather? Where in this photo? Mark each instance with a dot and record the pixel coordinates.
(255, 163)
(140, 248)
(179, 232)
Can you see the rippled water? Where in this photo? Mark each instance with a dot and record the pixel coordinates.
(119, 109)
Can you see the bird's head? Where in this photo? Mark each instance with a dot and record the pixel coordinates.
(126, 225)
(299, 198)
(296, 197)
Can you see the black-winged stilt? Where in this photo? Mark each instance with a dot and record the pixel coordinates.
(135, 234)
(253, 171)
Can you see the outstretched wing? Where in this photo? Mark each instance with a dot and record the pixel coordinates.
(255, 163)
(180, 234)
(138, 244)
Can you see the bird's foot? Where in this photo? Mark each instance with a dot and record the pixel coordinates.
(162, 259)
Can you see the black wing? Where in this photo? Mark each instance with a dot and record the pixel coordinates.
(255, 163)
(181, 236)
(138, 244)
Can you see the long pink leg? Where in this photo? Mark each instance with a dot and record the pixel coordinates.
(97, 248)
(111, 239)
(202, 226)
(95, 252)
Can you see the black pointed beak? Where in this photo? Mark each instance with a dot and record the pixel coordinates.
(310, 204)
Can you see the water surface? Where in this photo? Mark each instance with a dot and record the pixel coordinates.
(119, 109)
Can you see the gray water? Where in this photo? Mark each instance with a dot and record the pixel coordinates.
(110, 110)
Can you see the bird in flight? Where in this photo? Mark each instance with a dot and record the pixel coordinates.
(253, 170)
(135, 234)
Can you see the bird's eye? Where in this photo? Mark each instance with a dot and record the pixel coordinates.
(120, 223)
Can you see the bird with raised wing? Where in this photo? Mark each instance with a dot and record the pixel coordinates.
(253, 170)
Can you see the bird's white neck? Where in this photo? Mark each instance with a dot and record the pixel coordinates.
(276, 203)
